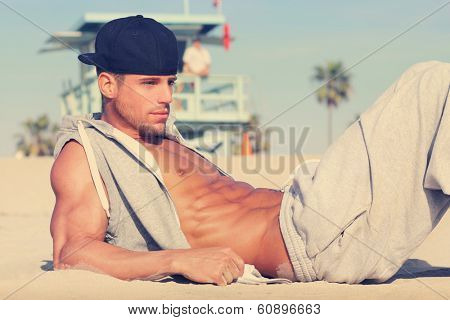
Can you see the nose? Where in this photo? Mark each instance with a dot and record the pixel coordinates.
(165, 94)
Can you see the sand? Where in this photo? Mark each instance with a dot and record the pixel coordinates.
(26, 203)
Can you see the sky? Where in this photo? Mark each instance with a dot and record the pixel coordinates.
(277, 45)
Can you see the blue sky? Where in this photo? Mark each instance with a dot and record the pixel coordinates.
(277, 45)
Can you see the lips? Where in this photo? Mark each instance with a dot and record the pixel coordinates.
(160, 113)
(160, 116)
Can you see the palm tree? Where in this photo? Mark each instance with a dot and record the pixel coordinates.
(335, 88)
(38, 138)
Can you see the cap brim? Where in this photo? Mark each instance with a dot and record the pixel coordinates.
(89, 58)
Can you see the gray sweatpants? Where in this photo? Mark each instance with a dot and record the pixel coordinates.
(379, 190)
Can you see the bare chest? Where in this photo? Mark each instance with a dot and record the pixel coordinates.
(181, 167)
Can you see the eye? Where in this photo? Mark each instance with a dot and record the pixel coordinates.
(150, 83)
(171, 83)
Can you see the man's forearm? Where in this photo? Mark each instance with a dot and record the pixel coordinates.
(120, 263)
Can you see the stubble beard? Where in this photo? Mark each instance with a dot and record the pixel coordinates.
(147, 131)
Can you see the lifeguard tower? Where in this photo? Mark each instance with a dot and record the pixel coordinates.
(211, 111)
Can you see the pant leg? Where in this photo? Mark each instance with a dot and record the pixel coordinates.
(383, 186)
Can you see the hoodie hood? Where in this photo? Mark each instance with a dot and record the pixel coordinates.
(69, 124)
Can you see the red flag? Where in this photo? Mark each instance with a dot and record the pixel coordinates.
(226, 36)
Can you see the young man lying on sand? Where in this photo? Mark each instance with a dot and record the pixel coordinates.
(133, 201)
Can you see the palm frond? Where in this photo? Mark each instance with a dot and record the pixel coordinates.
(337, 86)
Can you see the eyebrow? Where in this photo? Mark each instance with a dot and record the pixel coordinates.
(174, 78)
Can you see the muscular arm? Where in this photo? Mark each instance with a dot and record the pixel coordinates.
(79, 224)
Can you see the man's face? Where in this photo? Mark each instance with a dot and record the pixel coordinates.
(143, 102)
(197, 44)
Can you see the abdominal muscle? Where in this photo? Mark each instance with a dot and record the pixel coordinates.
(215, 210)
(234, 214)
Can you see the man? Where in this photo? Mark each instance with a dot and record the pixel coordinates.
(197, 59)
(135, 202)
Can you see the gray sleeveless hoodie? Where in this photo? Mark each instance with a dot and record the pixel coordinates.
(142, 215)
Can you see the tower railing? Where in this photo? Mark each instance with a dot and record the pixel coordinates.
(217, 98)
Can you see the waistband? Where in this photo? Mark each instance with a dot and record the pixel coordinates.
(295, 246)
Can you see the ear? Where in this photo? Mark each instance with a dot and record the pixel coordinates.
(108, 85)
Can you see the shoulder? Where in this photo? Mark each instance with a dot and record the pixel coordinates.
(205, 52)
(70, 171)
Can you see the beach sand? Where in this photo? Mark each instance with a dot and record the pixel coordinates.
(26, 246)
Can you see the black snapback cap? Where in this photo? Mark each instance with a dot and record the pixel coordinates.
(134, 45)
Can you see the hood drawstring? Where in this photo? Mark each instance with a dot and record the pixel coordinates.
(93, 168)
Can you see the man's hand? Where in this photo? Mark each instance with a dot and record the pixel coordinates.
(217, 265)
